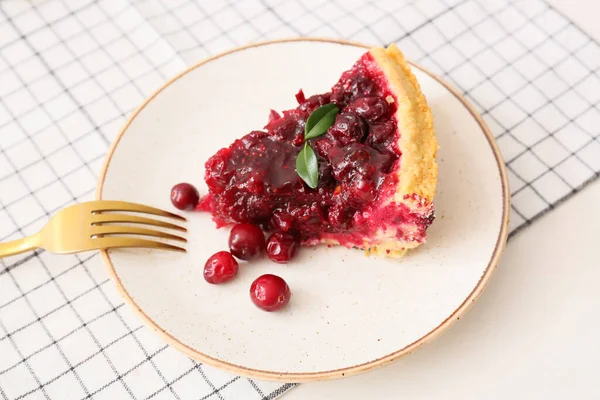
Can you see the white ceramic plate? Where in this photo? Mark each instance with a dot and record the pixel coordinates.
(348, 313)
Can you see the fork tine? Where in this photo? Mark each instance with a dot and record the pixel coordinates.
(113, 205)
(133, 219)
(130, 230)
(117, 242)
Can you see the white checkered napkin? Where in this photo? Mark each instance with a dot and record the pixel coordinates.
(71, 71)
(531, 73)
(69, 74)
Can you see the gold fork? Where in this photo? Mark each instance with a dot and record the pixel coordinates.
(98, 225)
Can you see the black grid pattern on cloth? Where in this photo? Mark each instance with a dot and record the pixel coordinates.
(71, 72)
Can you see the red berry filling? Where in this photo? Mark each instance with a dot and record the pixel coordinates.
(282, 246)
(254, 180)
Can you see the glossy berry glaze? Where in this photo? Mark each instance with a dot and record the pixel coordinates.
(255, 181)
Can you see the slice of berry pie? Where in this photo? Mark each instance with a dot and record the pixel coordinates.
(360, 172)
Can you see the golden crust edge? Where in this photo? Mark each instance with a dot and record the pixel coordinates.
(418, 144)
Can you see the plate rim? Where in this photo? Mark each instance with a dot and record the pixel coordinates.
(296, 377)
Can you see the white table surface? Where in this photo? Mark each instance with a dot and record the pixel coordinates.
(533, 334)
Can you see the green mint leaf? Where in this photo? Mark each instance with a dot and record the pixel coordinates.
(320, 120)
(307, 166)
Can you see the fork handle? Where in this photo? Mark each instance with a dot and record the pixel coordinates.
(18, 246)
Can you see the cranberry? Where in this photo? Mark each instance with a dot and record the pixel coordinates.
(351, 87)
(348, 128)
(362, 86)
(309, 214)
(358, 159)
(246, 241)
(362, 190)
(324, 146)
(184, 196)
(217, 176)
(282, 247)
(270, 292)
(220, 267)
(282, 220)
(285, 128)
(237, 209)
(258, 207)
(346, 163)
(380, 132)
(370, 108)
(313, 102)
